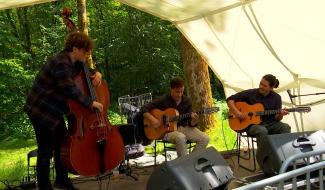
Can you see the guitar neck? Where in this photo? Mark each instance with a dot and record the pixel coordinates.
(187, 115)
(182, 116)
(272, 112)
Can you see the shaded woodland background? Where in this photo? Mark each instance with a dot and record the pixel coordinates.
(136, 52)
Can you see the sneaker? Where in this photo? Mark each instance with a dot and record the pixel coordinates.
(67, 185)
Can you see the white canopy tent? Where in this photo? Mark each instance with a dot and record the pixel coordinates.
(243, 40)
(7, 4)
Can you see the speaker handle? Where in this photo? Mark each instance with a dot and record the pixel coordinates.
(202, 163)
(303, 141)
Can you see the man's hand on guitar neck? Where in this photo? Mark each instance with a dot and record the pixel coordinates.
(154, 122)
(284, 111)
(280, 115)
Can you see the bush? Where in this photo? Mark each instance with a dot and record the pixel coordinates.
(14, 85)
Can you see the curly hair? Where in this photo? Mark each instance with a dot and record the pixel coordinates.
(78, 40)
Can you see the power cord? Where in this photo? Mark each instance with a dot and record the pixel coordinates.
(224, 138)
(88, 179)
(8, 186)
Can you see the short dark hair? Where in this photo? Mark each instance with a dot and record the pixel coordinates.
(78, 40)
(273, 81)
(176, 82)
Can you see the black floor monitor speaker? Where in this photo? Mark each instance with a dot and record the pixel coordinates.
(200, 170)
(275, 149)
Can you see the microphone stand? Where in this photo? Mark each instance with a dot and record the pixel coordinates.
(295, 96)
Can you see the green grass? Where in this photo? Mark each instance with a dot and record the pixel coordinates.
(13, 159)
(222, 137)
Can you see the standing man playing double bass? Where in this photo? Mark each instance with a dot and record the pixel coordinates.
(46, 105)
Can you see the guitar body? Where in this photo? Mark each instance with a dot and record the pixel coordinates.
(239, 125)
(153, 133)
(253, 114)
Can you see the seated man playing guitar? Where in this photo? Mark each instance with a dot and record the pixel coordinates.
(186, 129)
(265, 97)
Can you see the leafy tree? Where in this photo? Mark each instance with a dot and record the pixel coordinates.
(135, 51)
(14, 82)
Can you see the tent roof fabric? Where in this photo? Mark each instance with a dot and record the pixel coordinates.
(8, 4)
(242, 40)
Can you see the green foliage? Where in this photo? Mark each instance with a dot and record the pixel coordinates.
(136, 53)
(115, 118)
(222, 137)
(14, 84)
(216, 87)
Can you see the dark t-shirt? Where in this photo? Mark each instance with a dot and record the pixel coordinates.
(270, 102)
(166, 101)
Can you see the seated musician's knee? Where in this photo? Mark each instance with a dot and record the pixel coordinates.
(180, 139)
(204, 140)
(257, 131)
(286, 128)
(262, 131)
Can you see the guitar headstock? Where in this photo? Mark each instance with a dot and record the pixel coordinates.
(303, 109)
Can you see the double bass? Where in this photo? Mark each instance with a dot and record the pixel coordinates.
(93, 146)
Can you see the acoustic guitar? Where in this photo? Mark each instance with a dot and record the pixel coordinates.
(254, 113)
(168, 121)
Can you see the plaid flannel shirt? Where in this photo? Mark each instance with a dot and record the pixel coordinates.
(53, 86)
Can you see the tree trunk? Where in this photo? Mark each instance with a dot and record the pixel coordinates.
(82, 16)
(12, 23)
(197, 82)
(25, 33)
(83, 24)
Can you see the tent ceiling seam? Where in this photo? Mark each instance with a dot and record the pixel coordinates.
(227, 51)
(145, 10)
(217, 11)
(200, 53)
(264, 39)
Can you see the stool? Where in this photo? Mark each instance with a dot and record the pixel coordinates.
(31, 169)
(250, 142)
(170, 146)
